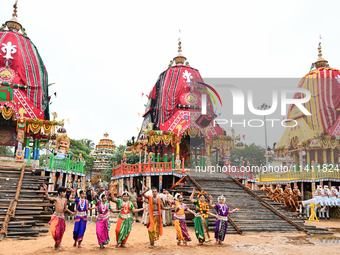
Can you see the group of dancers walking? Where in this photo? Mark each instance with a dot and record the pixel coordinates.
(323, 198)
(126, 208)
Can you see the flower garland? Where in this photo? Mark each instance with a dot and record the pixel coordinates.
(206, 208)
(47, 128)
(192, 131)
(7, 113)
(167, 139)
(35, 128)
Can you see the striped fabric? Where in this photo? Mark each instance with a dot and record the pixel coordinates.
(168, 90)
(325, 101)
(29, 69)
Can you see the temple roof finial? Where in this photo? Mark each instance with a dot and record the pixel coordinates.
(180, 59)
(321, 62)
(15, 6)
(13, 24)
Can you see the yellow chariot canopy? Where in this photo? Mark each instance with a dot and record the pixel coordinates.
(301, 130)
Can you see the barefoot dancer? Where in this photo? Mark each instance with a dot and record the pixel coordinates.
(222, 222)
(179, 219)
(154, 225)
(82, 205)
(125, 219)
(57, 222)
(103, 221)
(201, 218)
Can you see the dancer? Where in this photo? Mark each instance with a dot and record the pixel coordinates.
(103, 221)
(125, 219)
(82, 206)
(57, 222)
(201, 219)
(154, 224)
(179, 219)
(221, 224)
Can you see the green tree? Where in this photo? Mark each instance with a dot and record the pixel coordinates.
(118, 156)
(78, 147)
(88, 143)
(6, 150)
(252, 153)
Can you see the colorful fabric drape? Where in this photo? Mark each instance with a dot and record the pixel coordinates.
(103, 223)
(155, 226)
(323, 105)
(182, 233)
(221, 224)
(201, 225)
(29, 69)
(125, 221)
(58, 227)
(81, 220)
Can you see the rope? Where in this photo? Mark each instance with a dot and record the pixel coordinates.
(12, 206)
(250, 192)
(238, 229)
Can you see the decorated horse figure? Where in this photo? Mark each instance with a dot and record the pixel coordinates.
(270, 191)
(296, 195)
(278, 194)
(288, 197)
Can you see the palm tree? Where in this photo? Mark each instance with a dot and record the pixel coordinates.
(88, 143)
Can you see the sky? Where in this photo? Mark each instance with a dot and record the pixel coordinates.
(103, 55)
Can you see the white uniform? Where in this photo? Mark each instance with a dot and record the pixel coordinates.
(316, 199)
(338, 196)
(333, 199)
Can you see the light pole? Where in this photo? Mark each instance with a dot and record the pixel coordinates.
(263, 107)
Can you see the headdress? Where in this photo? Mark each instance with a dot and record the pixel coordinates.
(221, 197)
(126, 193)
(201, 193)
(177, 196)
(78, 192)
(102, 196)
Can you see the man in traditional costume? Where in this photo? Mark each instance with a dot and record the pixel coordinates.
(201, 219)
(154, 224)
(82, 206)
(125, 219)
(221, 223)
(57, 222)
(179, 219)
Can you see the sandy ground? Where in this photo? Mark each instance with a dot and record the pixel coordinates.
(263, 243)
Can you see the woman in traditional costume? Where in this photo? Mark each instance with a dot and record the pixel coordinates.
(82, 206)
(103, 221)
(125, 219)
(182, 234)
(201, 218)
(222, 221)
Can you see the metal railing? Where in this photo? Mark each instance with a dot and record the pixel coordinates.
(66, 164)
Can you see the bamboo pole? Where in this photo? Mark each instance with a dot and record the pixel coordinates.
(12, 206)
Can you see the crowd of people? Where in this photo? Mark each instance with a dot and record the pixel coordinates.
(157, 213)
